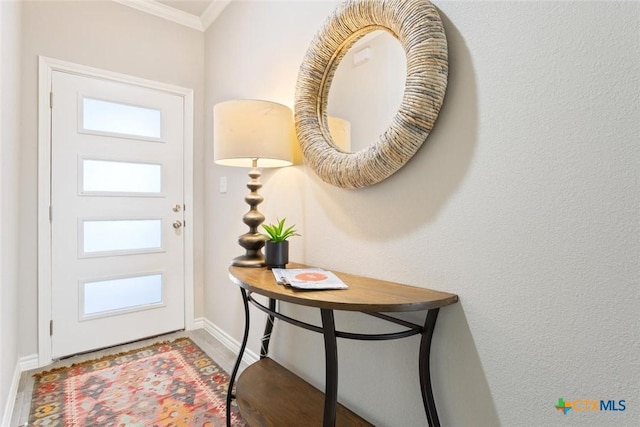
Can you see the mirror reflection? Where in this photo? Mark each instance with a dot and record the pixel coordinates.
(367, 89)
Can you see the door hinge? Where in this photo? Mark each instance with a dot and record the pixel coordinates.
(51, 99)
(50, 214)
(50, 328)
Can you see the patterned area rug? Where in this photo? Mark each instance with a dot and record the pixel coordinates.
(166, 384)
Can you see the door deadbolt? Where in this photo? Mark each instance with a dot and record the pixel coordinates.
(177, 207)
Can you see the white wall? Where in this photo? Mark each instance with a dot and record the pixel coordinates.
(524, 201)
(112, 37)
(9, 185)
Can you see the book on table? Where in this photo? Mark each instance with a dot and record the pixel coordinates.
(308, 278)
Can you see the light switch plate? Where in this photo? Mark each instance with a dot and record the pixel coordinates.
(223, 184)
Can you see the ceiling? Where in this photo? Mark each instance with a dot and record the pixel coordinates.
(197, 14)
(194, 7)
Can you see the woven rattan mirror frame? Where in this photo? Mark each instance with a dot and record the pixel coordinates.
(418, 27)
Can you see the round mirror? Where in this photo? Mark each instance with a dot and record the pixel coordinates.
(367, 89)
(417, 26)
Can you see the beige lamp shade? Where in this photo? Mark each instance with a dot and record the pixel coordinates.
(244, 130)
(340, 131)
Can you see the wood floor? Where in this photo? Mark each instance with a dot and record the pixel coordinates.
(217, 351)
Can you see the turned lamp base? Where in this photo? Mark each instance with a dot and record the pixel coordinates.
(249, 261)
(252, 241)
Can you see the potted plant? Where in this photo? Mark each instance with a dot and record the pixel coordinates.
(277, 245)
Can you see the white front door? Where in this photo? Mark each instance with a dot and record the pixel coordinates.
(117, 244)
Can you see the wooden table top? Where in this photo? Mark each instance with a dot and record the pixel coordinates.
(364, 293)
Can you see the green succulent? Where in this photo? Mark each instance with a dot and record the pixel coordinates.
(277, 232)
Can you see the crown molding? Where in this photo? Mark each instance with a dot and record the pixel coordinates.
(178, 16)
(212, 12)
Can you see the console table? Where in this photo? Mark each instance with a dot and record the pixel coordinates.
(266, 391)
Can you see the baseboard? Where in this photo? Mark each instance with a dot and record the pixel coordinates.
(29, 362)
(249, 357)
(11, 398)
(25, 363)
(198, 323)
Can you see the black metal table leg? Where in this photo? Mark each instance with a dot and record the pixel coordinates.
(232, 379)
(425, 370)
(331, 368)
(268, 328)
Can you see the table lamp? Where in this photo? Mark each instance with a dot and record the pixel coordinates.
(340, 131)
(252, 133)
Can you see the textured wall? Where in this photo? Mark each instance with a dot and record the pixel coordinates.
(9, 187)
(524, 201)
(10, 13)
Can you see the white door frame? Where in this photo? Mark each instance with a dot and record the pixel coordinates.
(46, 66)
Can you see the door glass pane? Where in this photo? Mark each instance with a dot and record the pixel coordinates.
(120, 177)
(112, 117)
(121, 294)
(121, 235)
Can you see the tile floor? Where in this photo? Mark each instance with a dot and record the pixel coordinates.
(217, 351)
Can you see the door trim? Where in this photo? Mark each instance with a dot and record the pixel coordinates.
(46, 66)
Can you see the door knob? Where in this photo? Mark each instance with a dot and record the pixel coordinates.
(177, 224)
